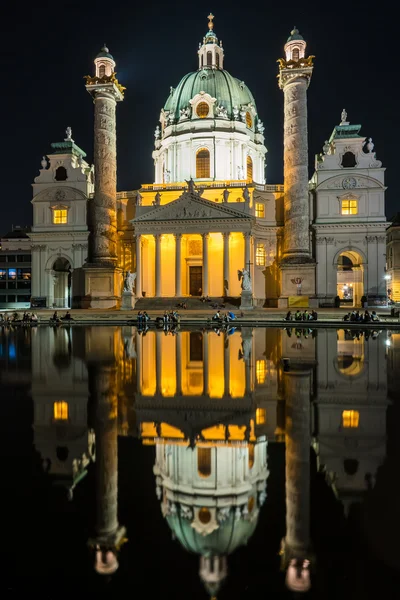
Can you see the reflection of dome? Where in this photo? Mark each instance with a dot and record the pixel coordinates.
(218, 83)
(233, 532)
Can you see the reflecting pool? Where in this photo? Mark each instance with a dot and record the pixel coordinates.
(197, 463)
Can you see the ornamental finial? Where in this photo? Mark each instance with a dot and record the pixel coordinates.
(210, 21)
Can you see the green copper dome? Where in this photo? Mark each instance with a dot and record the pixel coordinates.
(104, 53)
(295, 35)
(228, 91)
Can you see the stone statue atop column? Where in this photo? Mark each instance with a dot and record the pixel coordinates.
(225, 194)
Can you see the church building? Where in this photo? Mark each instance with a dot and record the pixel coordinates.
(210, 214)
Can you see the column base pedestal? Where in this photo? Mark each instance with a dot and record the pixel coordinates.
(246, 300)
(128, 301)
(294, 277)
(102, 286)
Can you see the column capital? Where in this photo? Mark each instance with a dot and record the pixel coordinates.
(226, 234)
(206, 235)
(246, 234)
(178, 236)
(157, 236)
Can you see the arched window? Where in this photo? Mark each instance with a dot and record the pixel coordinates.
(209, 59)
(261, 374)
(249, 120)
(260, 255)
(202, 164)
(61, 174)
(295, 54)
(349, 160)
(251, 456)
(261, 413)
(249, 164)
(217, 59)
(202, 110)
(202, 60)
(204, 462)
(102, 70)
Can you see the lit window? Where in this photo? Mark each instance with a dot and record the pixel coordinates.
(249, 168)
(209, 59)
(261, 416)
(349, 207)
(249, 120)
(102, 71)
(217, 58)
(60, 411)
(260, 210)
(202, 164)
(202, 110)
(204, 462)
(260, 255)
(350, 418)
(251, 456)
(295, 54)
(260, 370)
(60, 216)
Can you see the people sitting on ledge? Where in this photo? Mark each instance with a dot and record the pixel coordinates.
(299, 316)
(182, 305)
(67, 317)
(356, 317)
(217, 316)
(205, 299)
(55, 318)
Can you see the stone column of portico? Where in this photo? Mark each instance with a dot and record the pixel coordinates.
(158, 264)
(205, 237)
(297, 389)
(138, 280)
(225, 236)
(106, 92)
(205, 364)
(138, 348)
(247, 251)
(294, 80)
(178, 268)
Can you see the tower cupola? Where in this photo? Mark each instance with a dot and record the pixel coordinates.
(295, 47)
(104, 62)
(211, 53)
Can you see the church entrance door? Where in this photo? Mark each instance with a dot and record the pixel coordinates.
(195, 280)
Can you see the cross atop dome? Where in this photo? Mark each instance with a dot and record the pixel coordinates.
(211, 54)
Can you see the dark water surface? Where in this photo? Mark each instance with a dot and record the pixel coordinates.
(199, 464)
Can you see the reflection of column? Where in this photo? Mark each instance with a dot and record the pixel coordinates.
(178, 269)
(247, 239)
(178, 363)
(158, 361)
(138, 280)
(247, 346)
(226, 235)
(104, 397)
(205, 237)
(298, 439)
(227, 370)
(205, 364)
(158, 264)
(138, 349)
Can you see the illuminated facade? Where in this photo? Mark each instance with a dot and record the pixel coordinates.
(209, 211)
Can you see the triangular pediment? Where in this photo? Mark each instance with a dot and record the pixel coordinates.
(192, 207)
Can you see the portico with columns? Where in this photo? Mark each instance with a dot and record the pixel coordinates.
(192, 247)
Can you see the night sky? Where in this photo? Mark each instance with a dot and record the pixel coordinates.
(48, 47)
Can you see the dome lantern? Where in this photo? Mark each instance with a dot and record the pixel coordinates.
(295, 47)
(104, 63)
(211, 53)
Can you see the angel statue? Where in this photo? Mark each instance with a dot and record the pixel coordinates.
(129, 281)
(244, 275)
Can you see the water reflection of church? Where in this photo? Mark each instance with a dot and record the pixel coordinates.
(227, 397)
